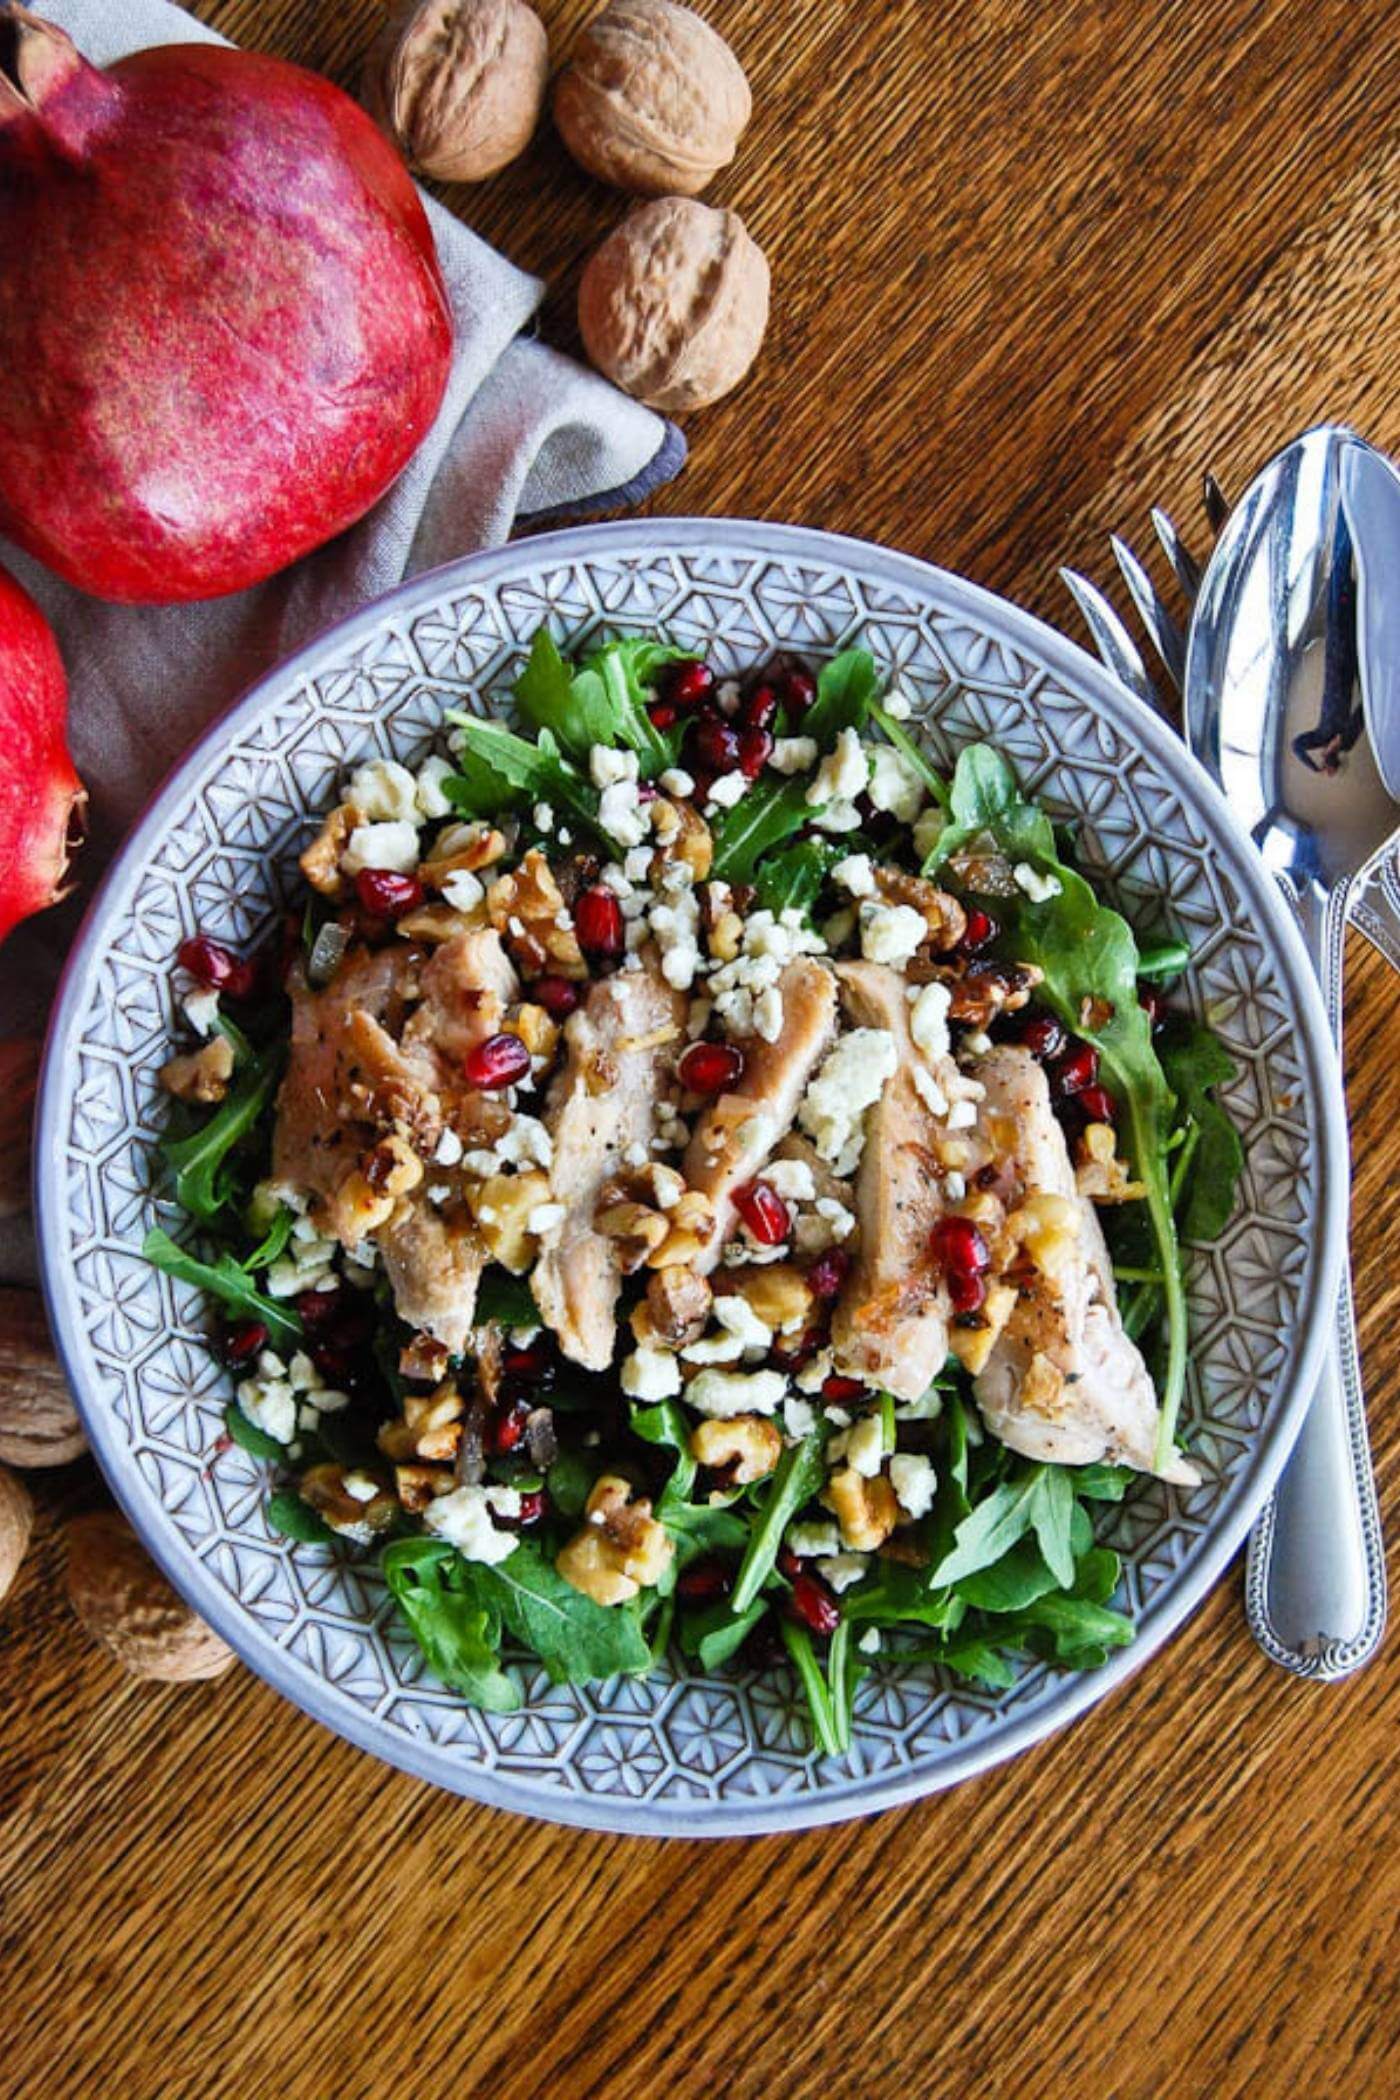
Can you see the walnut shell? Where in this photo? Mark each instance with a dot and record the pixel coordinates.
(125, 1602)
(652, 99)
(16, 1523)
(674, 303)
(39, 1425)
(459, 84)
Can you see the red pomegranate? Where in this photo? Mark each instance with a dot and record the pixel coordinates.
(222, 327)
(41, 797)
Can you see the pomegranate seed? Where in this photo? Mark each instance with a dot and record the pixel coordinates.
(318, 1310)
(755, 750)
(839, 1389)
(598, 924)
(687, 684)
(792, 1355)
(532, 1363)
(508, 1428)
(982, 928)
(661, 714)
(1097, 1104)
(764, 1212)
(711, 1068)
(340, 1362)
(959, 1246)
(1153, 1002)
(556, 995)
(760, 708)
(502, 1060)
(217, 967)
(386, 895)
(788, 1562)
(828, 1273)
(532, 1502)
(966, 1290)
(812, 1602)
(797, 687)
(1077, 1069)
(715, 744)
(243, 1342)
(703, 1581)
(1043, 1036)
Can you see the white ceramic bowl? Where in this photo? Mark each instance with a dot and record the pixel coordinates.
(676, 1752)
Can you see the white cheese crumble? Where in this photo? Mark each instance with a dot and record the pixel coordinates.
(891, 933)
(1039, 888)
(929, 1091)
(856, 874)
(674, 925)
(463, 1518)
(609, 768)
(360, 1487)
(851, 1079)
(270, 1406)
(428, 791)
(621, 811)
(650, 1374)
(726, 1393)
(862, 1447)
(729, 789)
(896, 705)
(869, 1642)
(768, 1014)
(527, 1143)
(839, 1570)
(448, 1149)
(201, 1009)
(384, 792)
(791, 1179)
(913, 1479)
(676, 781)
(928, 1019)
(799, 1416)
(962, 1115)
(544, 817)
(544, 1217)
(808, 1540)
(392, 846)
(793, 754)
(842, 773)
(896, 785)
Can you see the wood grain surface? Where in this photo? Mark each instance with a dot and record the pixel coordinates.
(1034, 268)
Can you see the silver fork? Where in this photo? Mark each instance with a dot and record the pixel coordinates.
(1377, 909)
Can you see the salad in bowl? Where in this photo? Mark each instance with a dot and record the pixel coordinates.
(692, 1174)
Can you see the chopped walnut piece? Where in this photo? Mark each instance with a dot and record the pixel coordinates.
(980, 990)
(778, 1293)
(417, 1486)
(392, 1167)
(685, 836)
(973, 1336)
(1099, 1173)
(636, 1231)
(320, 863)
(502, 1205)
(435, 923)
(865, 1510)
(527, 910)
(943, 915)
(323, 1487)
(689, 1227)
(201, 1075)
(424, 1357)
(748, 1443)
(678, 1302)
(620, 1548)
(430, 1426)
(462, 849)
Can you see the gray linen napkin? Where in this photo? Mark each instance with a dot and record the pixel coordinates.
(523, 434)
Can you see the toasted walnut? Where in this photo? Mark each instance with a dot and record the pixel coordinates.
(435, 923)
(536, 1030)
(462, 849)
(685, 835)
(355, 1210)
(1042, 1388)
(502, 1205)
(866, 1510)
(689, 1229)
(973, 1336)
(779, 1294)
(635, 1231)
(1099, 1173)
(320, 863)
(430, 1426)
(979, 991)
(943, 915)
(748, 1443)
(1047, 1226)
(201, 1075)
(324, 1488)
(424, 1357)
(621, 1547)
(678, 1301)
(527, 910)
(640, 1211)
(392, 1167)
(417, 1486)
(726, 936)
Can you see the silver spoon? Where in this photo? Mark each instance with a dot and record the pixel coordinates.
(1272, 709)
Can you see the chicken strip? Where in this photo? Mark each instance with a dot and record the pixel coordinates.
(890, 1326)
(1064, 1382)
(620, 1046)
(740, 1129)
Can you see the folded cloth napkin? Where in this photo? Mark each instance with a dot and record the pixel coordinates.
(524, 434)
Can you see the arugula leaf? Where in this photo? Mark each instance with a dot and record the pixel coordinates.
(898, 1595)
(273, 1241)
(574, 1638)
(256, 1442)
(993, 1527)
(796, 1479)
(204, 1182)
(663, 1423)
(694, 1527)
(1080, 1630)
(1052, 1517)
(928, 773)
(1089, 959)
(499, 770)
(602, 702)
(978, 1661)
(798, 1643)
(1017, 1579)
(569, 1479)
(225, 1279)
(506, 1299)
(457, 1631)
(846, 687)
(791, 880)
(295, 1519)
(770, 812)
(714, 1634)
(1165, 959)
(1194, 1065)
(1100, 1483)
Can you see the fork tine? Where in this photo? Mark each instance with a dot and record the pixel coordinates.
(1185, 567)
(1214, 499)
(1116, 647)
(1165, 635)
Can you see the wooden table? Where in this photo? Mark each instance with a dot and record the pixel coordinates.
(1034, 268)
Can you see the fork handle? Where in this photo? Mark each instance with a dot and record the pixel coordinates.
(1315, 1592)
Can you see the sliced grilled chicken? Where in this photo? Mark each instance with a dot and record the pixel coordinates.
(620, 1046)
(739, 1130)
(1064, 1382)
(890, 1326)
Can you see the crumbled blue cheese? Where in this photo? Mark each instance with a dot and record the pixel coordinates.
(729, 789)
(392, 846)
(929, 1091)
(869, 1642)
(791, 1179)
(543, 817)
(839, 1570)
(384, 792)
(928, 1019)
(851, 1079)
(799, 1416)
(676, 781)
(896, 705)
(448, 1149)
(201, 1009)
(360, 1487)
(270, 1405)
(856, 874)
(544, 1217)
(1038, 887)
(768, 1014)
(913, 1479)
(896, 785)
(303, 1374)
(842, 774)
(674, 924)
(793, 754)
(527, 1143)
(962, 1115)
(862, 1446)
(650, 1374)
(723, 1394)
(428, 789)
(608, 767)
(463, 1518)
(813, 1375)
(809, 1540)
(891, 933)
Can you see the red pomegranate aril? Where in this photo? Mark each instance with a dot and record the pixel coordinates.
(755, 750)
(788, 1562)
(839, 1390)
(716, 745)
(1077, 1069)
(687, 684)
(1043, 1036)
(982, 929)
(387, 895)
(958, 1244)
(1097, 1104)
(703, 1581)
(764, 1212)
(598, 924)
(318, 1310)
(531, 1362)
(827, 1275)
(1153, 1001)
(798, 688)
(711, 1068)
(339, 1362)
(507, 1431)
(216, 967)
(760, 708)
(661, 715)
(794, 1354)
(243, 1342)
(556, 995)
(532, 1502)
(966, 1289)
(501, 1061)
(812, 1602)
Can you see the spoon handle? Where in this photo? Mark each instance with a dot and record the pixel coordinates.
(1315, 1592)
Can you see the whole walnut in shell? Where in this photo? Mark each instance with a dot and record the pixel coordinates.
(652, 99)
(125, 1602)
(16, 1523)
(39, 1424)
(459, 84)
(674, 303)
